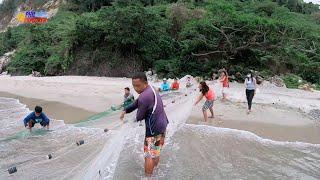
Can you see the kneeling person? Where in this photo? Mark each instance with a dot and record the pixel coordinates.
(36, 117)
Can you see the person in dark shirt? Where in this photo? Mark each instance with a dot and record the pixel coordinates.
(36, 117)
(150, 108)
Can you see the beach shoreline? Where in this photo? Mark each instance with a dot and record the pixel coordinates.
(107, 140)
(53, 109)
(79, 97)
(269, 121)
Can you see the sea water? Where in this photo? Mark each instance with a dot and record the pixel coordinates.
(205, 152)
(190, 151)
(28, 152)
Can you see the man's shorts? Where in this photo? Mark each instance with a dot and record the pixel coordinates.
(32, 122)
(208, 104)
(153, 146)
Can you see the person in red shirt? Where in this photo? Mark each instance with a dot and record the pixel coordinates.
(224, 79)
(175, 84)
(210, 96)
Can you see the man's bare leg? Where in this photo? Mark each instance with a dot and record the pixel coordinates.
(30, 126)
(156, 161)
(148, 166)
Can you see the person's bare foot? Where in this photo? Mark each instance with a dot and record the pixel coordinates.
(248, 111)
(211, 117)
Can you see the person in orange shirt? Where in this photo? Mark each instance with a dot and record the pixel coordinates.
(175, 84)
(210, 96)
(224, 79)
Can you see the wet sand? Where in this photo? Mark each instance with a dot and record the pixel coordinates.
(53, 109)
(274, 122)
(93, 94)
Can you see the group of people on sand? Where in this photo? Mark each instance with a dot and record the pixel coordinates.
(165, 86)
(150, 108)
(210, 95)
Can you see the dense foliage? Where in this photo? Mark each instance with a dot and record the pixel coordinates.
(116, 38)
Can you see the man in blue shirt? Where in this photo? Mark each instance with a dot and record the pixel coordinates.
(36, 117)
(165, 86)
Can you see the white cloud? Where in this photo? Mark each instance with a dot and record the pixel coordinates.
(313, 1)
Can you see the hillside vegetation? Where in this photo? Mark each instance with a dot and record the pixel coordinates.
(117, 38)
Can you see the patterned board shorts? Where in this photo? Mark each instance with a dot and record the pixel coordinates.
(153, 146)
(208, 104)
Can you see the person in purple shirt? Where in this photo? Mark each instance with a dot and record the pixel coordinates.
(36, 117)
(150, 108)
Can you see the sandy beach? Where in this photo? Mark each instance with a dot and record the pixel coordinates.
(93, 94)
(268, 121)
(56, 110)
(279, 114)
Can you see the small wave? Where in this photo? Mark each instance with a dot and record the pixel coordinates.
(204, 129)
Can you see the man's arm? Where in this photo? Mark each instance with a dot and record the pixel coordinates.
(143, 107)
(132, 107)
(27, 119)
(129, 109)
(45, 118)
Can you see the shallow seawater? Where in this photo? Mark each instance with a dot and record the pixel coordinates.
(28, 152)
(190, 151)
(206, 152)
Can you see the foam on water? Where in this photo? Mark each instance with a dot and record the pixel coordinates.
(128, 140)
(131, 158)
(190, 151)
(10, 111)
(204, 152)
(28, 151)
(241, 134)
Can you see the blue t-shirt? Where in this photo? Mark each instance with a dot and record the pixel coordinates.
(165, 86)
(37, 119)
